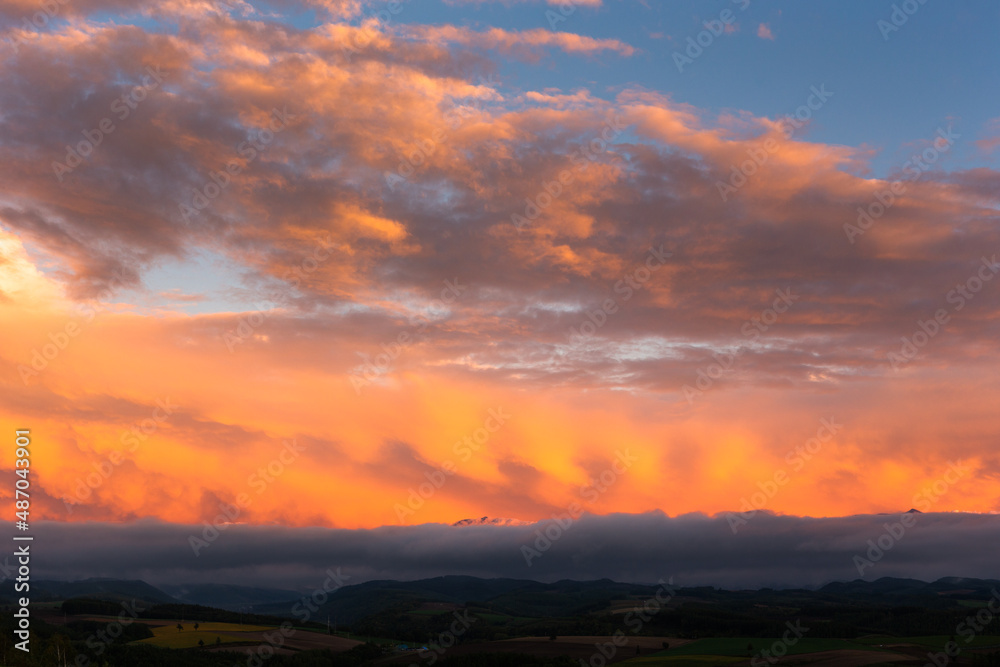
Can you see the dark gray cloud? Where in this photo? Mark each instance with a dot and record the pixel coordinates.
(767, 550)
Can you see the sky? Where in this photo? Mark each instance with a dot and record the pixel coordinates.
(363, 265)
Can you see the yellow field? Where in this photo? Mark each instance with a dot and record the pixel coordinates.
(209, 627)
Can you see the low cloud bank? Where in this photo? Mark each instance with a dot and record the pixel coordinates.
(766, 550)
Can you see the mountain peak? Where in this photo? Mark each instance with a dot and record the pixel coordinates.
(489, 521)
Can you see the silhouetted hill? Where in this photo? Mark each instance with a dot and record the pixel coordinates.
(116, 590)
(512, 596)
(880, 587)
(526, 598)
(912, 590)
(226, 596)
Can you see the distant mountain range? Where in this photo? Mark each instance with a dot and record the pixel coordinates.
(220, 596)
(517, 597)
(225, 596)
(115, 590)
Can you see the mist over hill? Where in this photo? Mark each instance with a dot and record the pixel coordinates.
(728, 550)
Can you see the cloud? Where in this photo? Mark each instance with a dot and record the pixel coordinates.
(764, 32)
(404, 163)
(778, 551)
(512, 42)
(991, 141)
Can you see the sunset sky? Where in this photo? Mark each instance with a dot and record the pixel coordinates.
(319, 253)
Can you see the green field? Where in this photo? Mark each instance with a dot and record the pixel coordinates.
(934, 642)
(725, 651)
(737, 646)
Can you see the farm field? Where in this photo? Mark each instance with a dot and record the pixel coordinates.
(576, 647)
(232, 635)
(738, 651)
(738, 646)
(872, 650)
(936, 642)
(845, 658)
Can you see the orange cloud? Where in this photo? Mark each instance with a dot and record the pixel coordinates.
(384, 221)
(511, 42)
(359, 456)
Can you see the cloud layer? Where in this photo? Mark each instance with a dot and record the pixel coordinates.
(693, 549)
(424, 243)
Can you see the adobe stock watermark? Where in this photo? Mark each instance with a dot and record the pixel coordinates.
(448, 638)
(927, 329)
(713, 29)
(249, 150)
(258, 481)
(894, 532)
(797, 458)
(752, 330)
(967, 629)
(41, 358)
(130, 440)
(122, 107)
(739, 175)
(900, 14)
(555, 528)
(423, 149)
(581, 159)
(303, 609)
(247, 325)
(779, 648)
(379, 365)
(365, 33)
(7, 569)
(914, 169)
(634, 620)
(307, 605)
(60, 339)
(99, 641)
(463, 449)
(32, 25)
(563, 11)
(625, 288)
